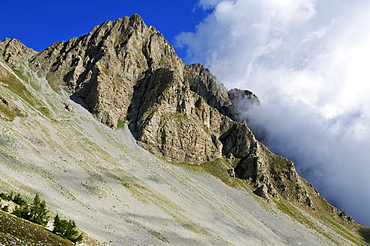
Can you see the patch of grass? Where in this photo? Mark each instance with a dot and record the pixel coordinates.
(149, 195)
(55, 87)
(343, 230)
(16, 86)
(8, 114)
(298, 216)
(349, 232)
(190, 225)
(96, 186)
(121, 123)
(217, 168)
(44, 110)
(159, 236)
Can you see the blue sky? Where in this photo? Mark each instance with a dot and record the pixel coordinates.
(39, 23)
(307, 61)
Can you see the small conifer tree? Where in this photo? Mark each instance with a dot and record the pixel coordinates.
(66, 229)
(38, 211)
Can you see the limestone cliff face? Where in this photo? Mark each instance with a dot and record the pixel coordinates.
(175, 122)
(205, 84)
(103, 66)
(124, 69)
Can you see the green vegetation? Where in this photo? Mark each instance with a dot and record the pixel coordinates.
(365, 233)
(38, 214)
(159, 236)
(19, 200)
(217, 168)
(9, 114)
(6, 196)
(16, 86)
(16, 231)
(347, 231)
(38, 211)
(5, 208)
(121, 123)
(22, 212)
(67, 229)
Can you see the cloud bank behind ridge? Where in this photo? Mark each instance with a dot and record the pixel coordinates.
(308, 62)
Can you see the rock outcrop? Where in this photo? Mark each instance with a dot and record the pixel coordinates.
(176, 123)
(242, 102)
(14, 52)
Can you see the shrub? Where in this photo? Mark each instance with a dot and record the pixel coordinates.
(66, 229)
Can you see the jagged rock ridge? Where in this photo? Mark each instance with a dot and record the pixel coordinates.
(125, 69)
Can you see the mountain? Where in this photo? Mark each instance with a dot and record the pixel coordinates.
(118, 134)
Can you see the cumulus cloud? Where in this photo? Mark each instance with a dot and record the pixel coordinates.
(307, 60)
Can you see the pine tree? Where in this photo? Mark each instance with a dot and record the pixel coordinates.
(38, 211)
(66, 229)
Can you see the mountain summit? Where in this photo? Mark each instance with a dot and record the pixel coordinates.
(125, 72)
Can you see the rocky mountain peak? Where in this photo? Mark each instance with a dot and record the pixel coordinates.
(104, 66)
(14, 52)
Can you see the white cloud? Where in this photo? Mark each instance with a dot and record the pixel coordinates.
(307, 60)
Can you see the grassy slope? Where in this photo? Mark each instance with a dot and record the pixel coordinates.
(120, 194)
(16, 231)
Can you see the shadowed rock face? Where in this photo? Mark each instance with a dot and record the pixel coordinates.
(124, 69)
